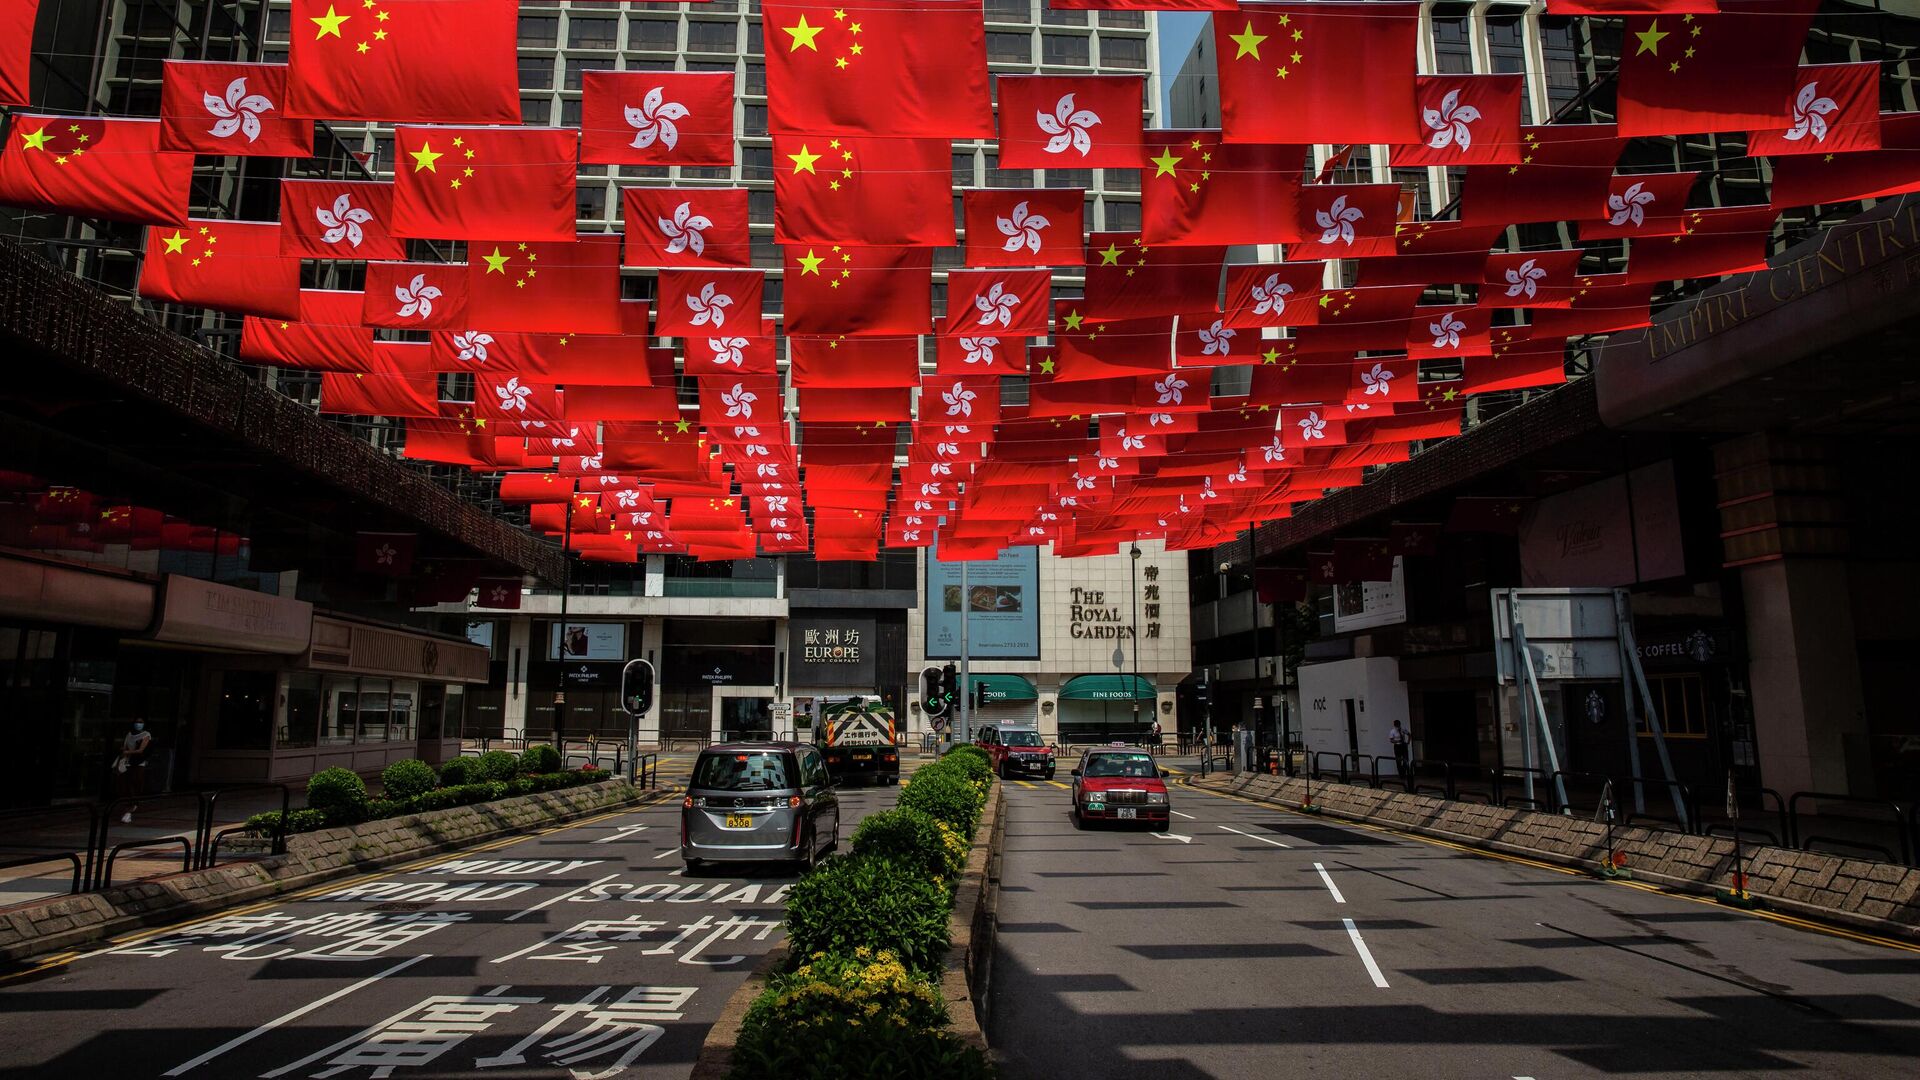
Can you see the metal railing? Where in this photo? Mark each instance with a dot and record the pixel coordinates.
(1900, 816)
(646, 769)
(53, 834)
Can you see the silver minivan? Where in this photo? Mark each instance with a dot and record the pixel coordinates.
(759, 802)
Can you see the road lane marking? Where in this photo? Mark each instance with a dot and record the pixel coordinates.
(669, 851)
(1256, 836)
(569, 894)
(241, 1040)
(1058, 784)
(1177, 813)
(622, 832)
(1366, 957)
(1025, 783)
(1331, 887)
(1173, 836)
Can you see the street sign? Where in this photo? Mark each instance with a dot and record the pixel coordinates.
(782, 713)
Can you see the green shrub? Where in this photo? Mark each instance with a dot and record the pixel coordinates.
(520, 785)
(459, 771)
(540, 759)
(406, 779)
(913, 838)
(860, 1017)
(442, 798)
(298, 821)
(946, 794)
(338, 793)
(867, 901)
(975, 760)
(496, 765)
(378, 808)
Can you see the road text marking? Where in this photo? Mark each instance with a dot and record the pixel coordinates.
(1366, 957)
(1331, 887)
(1173, 836)
(563, 896)
(296, 1014)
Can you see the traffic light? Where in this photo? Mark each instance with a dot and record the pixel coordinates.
(933, 701)
(636, 687)
(950, 687)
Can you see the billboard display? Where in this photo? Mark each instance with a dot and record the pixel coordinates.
(1001, 602)
(588, 641)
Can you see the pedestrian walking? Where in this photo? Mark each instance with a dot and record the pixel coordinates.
(1156, 736)
(130, 768)
(1402, 747)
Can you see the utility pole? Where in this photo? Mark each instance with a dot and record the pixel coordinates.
(962, 732)
(1133, 582)
(560, 649)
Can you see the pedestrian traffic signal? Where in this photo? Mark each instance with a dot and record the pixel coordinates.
(933, 701)
(636, 687)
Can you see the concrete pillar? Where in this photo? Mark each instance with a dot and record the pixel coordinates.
(651, 635)
(520, 656)
(1804, 669)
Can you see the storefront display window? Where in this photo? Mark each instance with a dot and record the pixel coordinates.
(374, 707)
(244, 710)
(301, 726)
(403, 716)
(340, 722)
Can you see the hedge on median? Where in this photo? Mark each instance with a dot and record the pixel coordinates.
(337, 796)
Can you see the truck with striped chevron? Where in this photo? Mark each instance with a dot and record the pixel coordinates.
(860, 738)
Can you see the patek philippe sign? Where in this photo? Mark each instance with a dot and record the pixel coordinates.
(830, 651)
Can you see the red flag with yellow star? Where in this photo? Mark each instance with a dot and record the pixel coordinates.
(1732, 71)
(1295, 381)
(326, 337)
(1024, 226)
(551, 288)
(854, 361)
(94, 167)
(849, 189)
(858, 290)
(224, 265)
(415, 296)
(1562, 176)
(399, 383)
(16, 49)
(405, 61)
(1835, 110)
(1195, 189)
(893, 405)
(1730, 240)
(461, 183)
(656, 117)
(881, 67)
(338, 219)
(1070, 121)
(236, 110)
(1128, 278)
(1274, 294)
(1084, 349)
(1520, 361)
(1319, 73)
(1600, 304)
(1465, 120)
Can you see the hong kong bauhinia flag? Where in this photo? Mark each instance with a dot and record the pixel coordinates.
(656, 118)
(1024, 226)
(16, 49)
(236, 110)
(226, 265)
(463, 183)
(884, 67)
(1465, 120)
(1835, 110)
(703, 303)
(686, 227)
(1732, 71)
(406, 61)
(1070, 121)
(847, 189)
(1319, 73)
(94, 167)
(338, 219)
(1012, 303)
(416, 296)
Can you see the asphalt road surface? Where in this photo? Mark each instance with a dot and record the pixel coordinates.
(582, 951)
(1252, 942)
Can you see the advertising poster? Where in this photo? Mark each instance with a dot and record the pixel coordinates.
(1001, 601)
(588, 641)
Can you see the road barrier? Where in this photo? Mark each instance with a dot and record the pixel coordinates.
(1900, 816)
(646, 769)
(54, 834)
(91, 838)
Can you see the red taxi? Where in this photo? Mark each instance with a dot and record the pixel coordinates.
(1119, 785)
(1017, 751)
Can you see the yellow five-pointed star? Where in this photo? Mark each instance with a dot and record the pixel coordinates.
(680, 427)
(175, 243)
(36, 140)
(802, 34)
(496, 262)
(803, 161)
(328, 23)
(1111, 256)
(1163, 165)
(1248, 41)
(425, 157)
(1650, 38)
(810, 263)
(1074, 319)
(1271, 356)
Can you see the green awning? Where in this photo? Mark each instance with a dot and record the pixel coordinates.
(996, 688)
(1107, 688)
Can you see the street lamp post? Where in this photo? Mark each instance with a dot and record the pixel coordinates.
(1133, 589)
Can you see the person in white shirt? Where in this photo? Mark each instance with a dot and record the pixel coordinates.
(130, 768)
(1402, 746)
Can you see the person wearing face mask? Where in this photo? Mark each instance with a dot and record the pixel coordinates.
(130, 768)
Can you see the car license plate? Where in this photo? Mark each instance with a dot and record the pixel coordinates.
(863, 757)
(739, 821)
(1128, 813)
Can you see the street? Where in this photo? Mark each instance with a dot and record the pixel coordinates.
(584, 948)
(1248, 941)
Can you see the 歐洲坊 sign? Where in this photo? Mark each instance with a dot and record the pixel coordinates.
(830, 651)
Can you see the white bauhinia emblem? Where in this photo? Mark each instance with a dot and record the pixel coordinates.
(1206, 488)
(911, 536)
(1068, 126)
(1810, 112)
(627, 497)
(754, 449)
(1132, 442)
(1106, 464)
(342, 221)
(513, 396)
(1170, 388)
(1022, 229)
(929, 489)
(739, 400)
(1159, 419)
(1337, 220)
(1270, 296)
(979, 350)
(1217, 339)
(1083, 483)
(1312, 427)
(1524, 280)
(416, 298)
(685, 231)
(592, 462)
(776, 504)
(1273, 451)
(768, 469)
(1630, 206)
(1451, 124)
(946, 449)
(996, 306)
(473, 345)
(1446, 332)
(728, 350)
(1377, 381)
(237, 111)
(385, 554)
(959, 400)
(709, 306)
(1238, 476)
(653, 120)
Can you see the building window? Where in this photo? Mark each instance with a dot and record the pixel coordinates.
(374, 709)
(570, 112)
(244, 720)
(302, 723)
(753, 120)
(756, 162)
(712, 37)
(660, 35)
(999, 177)
(963, 168)
(1070, 49)
(1124, 53)
(760, 207)
(536, 72)
(592, 33)
(1121, 179)
(590, 202)
(1062, 17)
(1682, 704)
(1014, 11)
(756, 80)
(1069, 178)
(536, 31)
(533, 110)
(1122, 216)
(340, 716)
(578, 64)
(1124, 20)
(1010, 48)
(403, 714)
(1452, 40)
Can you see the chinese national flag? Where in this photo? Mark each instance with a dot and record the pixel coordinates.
(1426, 253)
(1602, 303)
(95, 168)
(1564, 174)
(1532, 279)
(1339, 221)
(703, 303)
(1645, 204)
(1127, 278)
(399, 384)
(1631, 7)
(1835, 110)
(1024, 226)
(326, 337)
(1465, 120)
(849, 189)
(1519, 362)
(588, 402)
(913, 68)
(1273, 294)
(1362, 560)
(1013, 303)
(686, 227)
(1296, 381)
(1088, 350)
(415, 296)
(479, 183)
(235, 110)
(1732, 71)
(338, 219)
(550, 288)
(16, 49)
(656, 118)
(405, 61)
(1811, 179)
(854, 362)
(1070, 121)
(858, 290)
(1486, 514)
(1435, 332)
(225, 265)
(1198, 190)
(1319, 73)
(1355, 319)
(1717, 242)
